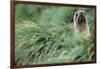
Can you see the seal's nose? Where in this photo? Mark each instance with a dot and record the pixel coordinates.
(81, 13)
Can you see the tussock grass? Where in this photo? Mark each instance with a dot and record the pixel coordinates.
(44, 35)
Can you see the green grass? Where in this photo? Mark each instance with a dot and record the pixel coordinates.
(44, 35)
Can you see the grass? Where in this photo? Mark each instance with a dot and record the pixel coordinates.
(44, 35)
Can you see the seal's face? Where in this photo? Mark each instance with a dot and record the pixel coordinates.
(80, 17)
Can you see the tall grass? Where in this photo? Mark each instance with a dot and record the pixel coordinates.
(44, 35)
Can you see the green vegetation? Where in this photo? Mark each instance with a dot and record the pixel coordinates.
(44, 35)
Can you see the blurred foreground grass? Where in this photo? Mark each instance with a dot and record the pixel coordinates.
(44, 35)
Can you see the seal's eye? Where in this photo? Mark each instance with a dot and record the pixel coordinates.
(76, 15)
(84, 13)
